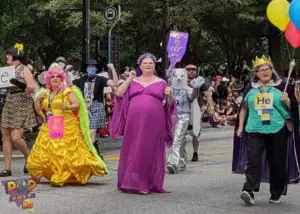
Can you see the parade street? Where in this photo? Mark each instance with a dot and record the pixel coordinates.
(206, 187)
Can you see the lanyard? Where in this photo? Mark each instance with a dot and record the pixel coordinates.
(89, 89)
(51, 98)
(266, 89)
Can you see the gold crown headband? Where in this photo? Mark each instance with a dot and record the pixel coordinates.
(261, 61)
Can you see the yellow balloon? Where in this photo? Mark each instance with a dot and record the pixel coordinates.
(278, 13)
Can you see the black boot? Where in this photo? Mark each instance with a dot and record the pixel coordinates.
(97, 147)
(5, 173)
(195, 157)
(25, 170)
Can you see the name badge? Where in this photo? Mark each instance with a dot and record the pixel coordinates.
(265, 117)
(263, 101)
(56, 127)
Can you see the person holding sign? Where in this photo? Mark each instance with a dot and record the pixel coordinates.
(266, 145)
(18, 112)
(63, 151)
(184, 98)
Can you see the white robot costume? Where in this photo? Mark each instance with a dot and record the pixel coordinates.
(182, 94)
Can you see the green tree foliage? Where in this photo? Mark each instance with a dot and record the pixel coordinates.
(229, 32)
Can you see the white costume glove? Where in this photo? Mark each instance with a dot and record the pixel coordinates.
(198, 82)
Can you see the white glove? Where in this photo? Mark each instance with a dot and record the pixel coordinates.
(111, 66)
(292, 64)
(198, 82)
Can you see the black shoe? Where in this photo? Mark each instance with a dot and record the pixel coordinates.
(5, 173)
(172, 169)
(275, 200)
(248, 197)
(183, 167)
(195, 157)
(97, 147)
(25, 170)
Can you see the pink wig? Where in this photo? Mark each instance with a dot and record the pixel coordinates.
(50, 74)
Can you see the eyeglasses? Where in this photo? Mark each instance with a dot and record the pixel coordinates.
(264, 70)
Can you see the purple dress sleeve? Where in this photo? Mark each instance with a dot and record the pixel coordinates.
(171, 118)
(118, 120)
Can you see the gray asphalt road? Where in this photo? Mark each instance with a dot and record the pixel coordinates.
(206, 187)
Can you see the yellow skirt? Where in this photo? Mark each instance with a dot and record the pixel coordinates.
(66, 160)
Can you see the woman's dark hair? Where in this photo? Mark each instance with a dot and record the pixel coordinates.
(122, 70)
(255, 78)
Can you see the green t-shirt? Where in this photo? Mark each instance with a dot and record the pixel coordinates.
(276, 116)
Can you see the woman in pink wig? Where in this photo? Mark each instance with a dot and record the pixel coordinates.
(63, 151)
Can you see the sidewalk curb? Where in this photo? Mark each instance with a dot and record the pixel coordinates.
(14, 157)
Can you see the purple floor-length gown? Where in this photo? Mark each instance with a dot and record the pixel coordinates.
(147, 124)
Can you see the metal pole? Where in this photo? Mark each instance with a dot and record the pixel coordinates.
(97, 47)
(86, 32)
(109, 33)
(165, 59)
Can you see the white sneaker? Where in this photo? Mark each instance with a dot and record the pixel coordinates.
(246, 197)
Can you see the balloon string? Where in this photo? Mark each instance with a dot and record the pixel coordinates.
(287, 47)
(293, 53)
(291, 56)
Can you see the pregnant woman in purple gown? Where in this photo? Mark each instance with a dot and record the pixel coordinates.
(145, 114)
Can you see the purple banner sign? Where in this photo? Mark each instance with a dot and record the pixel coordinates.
(177, 46)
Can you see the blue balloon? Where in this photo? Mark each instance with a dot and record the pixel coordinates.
(294, 13)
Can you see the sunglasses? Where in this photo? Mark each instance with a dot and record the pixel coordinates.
(56, 76)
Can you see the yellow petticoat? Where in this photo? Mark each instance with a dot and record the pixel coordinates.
(66, 160)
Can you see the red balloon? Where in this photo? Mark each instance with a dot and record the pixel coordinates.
(292, 34)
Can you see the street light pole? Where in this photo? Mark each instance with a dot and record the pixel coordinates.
(86, 32)
(167, 28)
(109, 33)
